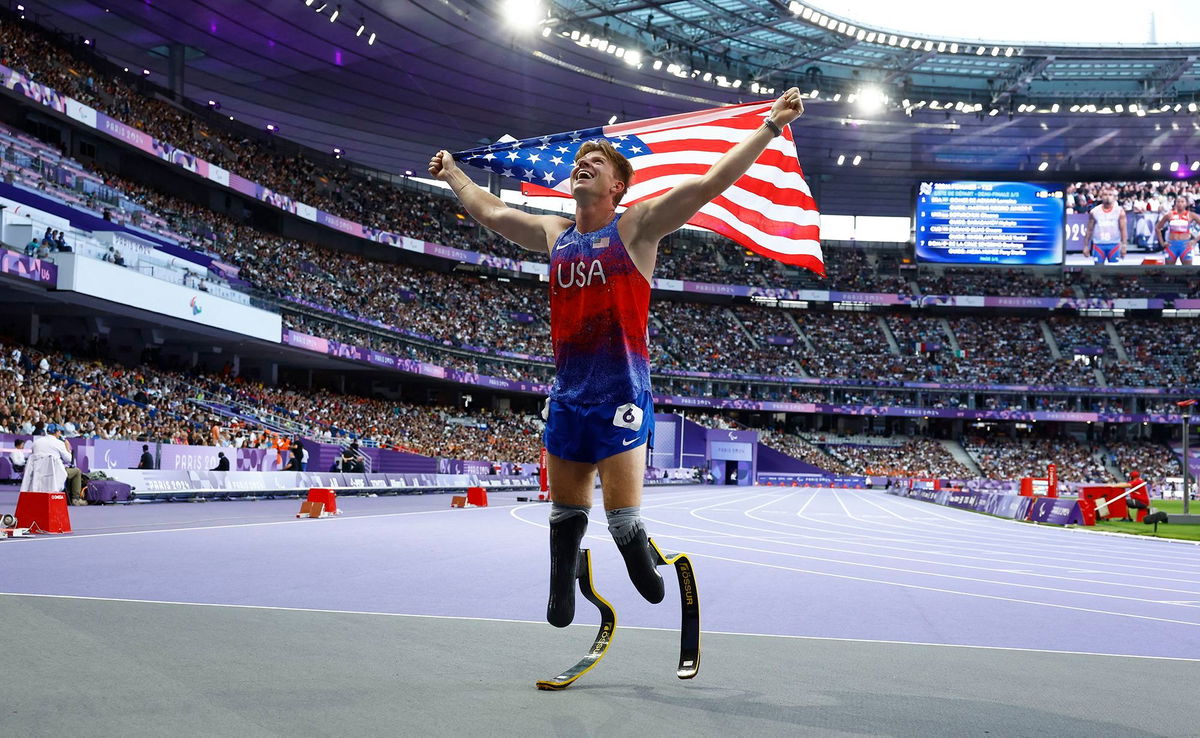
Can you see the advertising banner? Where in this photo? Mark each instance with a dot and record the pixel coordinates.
(120, 285)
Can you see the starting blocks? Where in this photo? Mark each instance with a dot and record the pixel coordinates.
(321, 503)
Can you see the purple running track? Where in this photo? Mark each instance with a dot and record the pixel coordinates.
(801, 562)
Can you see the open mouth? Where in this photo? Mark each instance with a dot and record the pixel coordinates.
(584, 174)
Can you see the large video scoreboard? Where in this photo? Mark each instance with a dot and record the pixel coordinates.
(1011, 223)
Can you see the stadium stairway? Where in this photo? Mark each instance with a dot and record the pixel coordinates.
(1115, 339)
(946, 329)
(891, 338)
(955, 449)
(1048, 334)
(1106, 457)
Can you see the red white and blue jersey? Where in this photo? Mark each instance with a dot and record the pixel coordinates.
(599, 310)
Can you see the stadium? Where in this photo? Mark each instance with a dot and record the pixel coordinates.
(292, 404)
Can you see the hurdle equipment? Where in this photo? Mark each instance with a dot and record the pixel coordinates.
(689, 603)
(321, 503)
(604, 636)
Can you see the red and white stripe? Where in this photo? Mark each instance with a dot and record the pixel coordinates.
(770, 210)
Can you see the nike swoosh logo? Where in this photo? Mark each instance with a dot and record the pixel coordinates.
(627, 442)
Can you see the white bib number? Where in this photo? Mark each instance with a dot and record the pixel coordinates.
(628, 416)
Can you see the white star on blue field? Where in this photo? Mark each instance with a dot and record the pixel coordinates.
(546, 160)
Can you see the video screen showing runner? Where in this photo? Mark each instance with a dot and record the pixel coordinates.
(1150, 223)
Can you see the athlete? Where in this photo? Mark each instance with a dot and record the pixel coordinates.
(1178, 222)
(1106, 233)
(600, 415)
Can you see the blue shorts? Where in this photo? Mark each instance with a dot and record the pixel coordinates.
(1110, 252)
(589, 433)
(1179, 250)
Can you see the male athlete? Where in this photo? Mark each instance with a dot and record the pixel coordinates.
(600, 413)
(1106, 234)
(1179, 243)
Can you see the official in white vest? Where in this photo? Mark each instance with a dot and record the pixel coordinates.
(47, 470)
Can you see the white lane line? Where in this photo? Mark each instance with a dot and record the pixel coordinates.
(293, 521)
(904, 570)
(1028, 542)
(882, 581)
(922, 587)
(1009, 530)
(811, 534)
(542, 624)
(289, 521)
(913, 559)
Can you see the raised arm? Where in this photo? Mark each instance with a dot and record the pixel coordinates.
(654, 219)
(533, 232)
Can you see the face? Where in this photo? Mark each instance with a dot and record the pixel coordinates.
(1108, 195)
(1181, 204)
(593, 175)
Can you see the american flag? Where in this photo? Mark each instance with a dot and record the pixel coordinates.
(769, 210)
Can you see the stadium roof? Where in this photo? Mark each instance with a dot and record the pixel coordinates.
(451, 73)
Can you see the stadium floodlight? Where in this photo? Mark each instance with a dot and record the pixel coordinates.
(633, 57)
(872, 98)
(272, 128)
(795, 8)
(953, 48)
(545, 31)
(1156, 166)
(979, 51)
(362, 26)
(308, 3)
(1119, 108)
(1054, 108)
(892, 40)
(904, 43)
(807, 14)
(871, 37)
(941, 47)
(707, 76)
(1174, 166)
(857, 159)
(522, 14)
(321, 8)
(995, 50)
(612, 119)
(737, 83)
(1043, 166)
(336, 12)
(1008, 51)
(657, 64)
(371, 41)
(841, 159)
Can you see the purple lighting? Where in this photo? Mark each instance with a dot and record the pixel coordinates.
(337, 57)
(212, 26)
